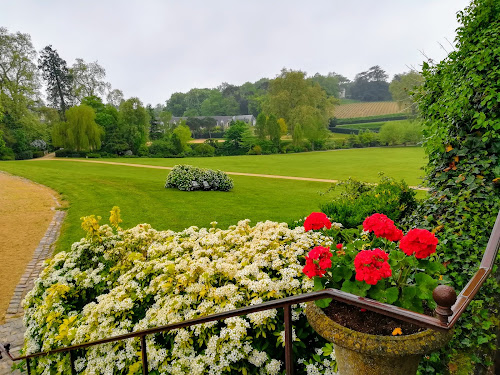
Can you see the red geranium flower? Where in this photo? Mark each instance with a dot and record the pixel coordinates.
(317, 220)
(371, 266)
(322, 255)
(382, 226)
(420, 242)
(339, 246)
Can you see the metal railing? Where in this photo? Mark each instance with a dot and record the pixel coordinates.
(449, 308)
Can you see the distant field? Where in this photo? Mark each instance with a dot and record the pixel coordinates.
(365, 109)
(92, 188)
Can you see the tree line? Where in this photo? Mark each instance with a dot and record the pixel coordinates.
(82, 111)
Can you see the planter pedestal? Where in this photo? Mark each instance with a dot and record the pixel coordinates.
(363, 354)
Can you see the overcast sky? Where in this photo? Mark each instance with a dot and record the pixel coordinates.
(153, 48)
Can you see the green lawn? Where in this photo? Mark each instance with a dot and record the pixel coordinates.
(365, 164)
(139, 192)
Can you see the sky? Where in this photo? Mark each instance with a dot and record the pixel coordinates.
(153, 48)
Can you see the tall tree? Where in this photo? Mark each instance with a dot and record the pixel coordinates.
(19, 83)
(80, 132)
(371, 85)
(57, 77)
(402, 86)
(115, 98)
(294, 98)
(134, 123)
(88, 79)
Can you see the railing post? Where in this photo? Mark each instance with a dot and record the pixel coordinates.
(28, 367)
(288, 340)
(144, 356)
(72, 362)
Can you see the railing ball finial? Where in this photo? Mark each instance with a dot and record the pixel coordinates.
(445, 297)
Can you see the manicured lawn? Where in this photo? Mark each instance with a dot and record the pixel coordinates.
(96, 188)
(364, 164)
(139, 192)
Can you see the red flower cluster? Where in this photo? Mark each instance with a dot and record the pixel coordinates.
(323, 255)
(317, 220)
(382, 226)
(371, 266)
(420, 242)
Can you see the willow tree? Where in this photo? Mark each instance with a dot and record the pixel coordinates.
(295, 98)
(80, 132)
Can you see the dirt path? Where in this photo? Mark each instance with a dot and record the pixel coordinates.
(51, 157)
(26, 210)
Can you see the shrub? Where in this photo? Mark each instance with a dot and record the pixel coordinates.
(204, 149)
(255, 150)
(63, 153)
(24, 155)
(162, 148)
(91, 155)
(187, 178)
(113, 282)
(400, 132)
(38, 154)
(359, 200)
(6, 153)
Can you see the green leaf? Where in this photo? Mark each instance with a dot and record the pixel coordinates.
(323, 303)
(358, 288)
(319, 283)
(341, 273)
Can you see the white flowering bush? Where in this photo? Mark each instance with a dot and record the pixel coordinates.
(187, 177)
(117, 281)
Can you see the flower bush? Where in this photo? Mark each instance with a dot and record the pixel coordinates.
(369, 263)
(116, 281)
(183, 176)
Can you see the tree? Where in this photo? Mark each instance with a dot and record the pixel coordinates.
(460, 109)
(176, 104)
(88, 79)
(134, 123)
(402, 86)
(115, 98)
(80, 132)
(274, 131)
(371, 85)
(218, 105)
(107, 117)
(57, 77)
(235, 135)
(183, 134)
(260, 126)
(19, 83)
(329, 83)
(295, 99)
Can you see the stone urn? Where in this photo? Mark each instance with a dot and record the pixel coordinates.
(364, 354)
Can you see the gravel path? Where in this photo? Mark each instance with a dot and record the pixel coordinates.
(12, 331)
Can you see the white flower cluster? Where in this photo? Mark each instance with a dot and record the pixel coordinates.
(142, 278)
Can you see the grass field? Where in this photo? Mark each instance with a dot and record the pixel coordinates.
(365, 164)
(139, 192)
(365, 109)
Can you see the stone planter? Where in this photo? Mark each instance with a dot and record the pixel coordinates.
(363, 354)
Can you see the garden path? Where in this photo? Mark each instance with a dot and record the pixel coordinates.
(51, 157)
(26, 211)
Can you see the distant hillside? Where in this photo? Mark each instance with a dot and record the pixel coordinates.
(365, 109)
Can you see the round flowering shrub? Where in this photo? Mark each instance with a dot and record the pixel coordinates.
(187, 178)
(116, 281)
